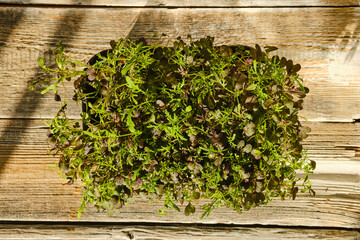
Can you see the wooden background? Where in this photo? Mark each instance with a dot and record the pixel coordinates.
(322, 35)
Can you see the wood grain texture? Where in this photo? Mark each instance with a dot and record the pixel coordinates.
(161, 232)
(186, 3)
(324, 40)
(31, 190)
(322, 35)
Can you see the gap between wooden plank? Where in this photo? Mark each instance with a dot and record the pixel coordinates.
(179, 232)
(39, 118)
(187, 3)
(37, 5)
(167, 224)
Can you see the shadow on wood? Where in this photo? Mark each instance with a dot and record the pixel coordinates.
(323, 38)
(68, 26)
(9, 19)
(66, 30)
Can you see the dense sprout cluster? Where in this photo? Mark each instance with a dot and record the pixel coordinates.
(182, 123)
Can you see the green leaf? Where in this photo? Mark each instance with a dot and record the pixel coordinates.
(247, 148)
(225, 51)
(189, 209)
(249, 129)
(296, 68)
(256, 153)
(130, 83)
(139, 45)
(210, 102)
(283, 62)
(196, 195)
(258, 197)
(303, 132)
(258, 52)
(253, 53)
(251, 87)
(312, 164)
(305, 129)
(127, 67)
(188, 109)
(113, 44)
(270, 49)
(294, 191)
(175, 206)
(51, 87)
(275, 59)
(57, 97)
(241, 144)
(40, 61)
(289, 66)
(130, 124)
(189, 60)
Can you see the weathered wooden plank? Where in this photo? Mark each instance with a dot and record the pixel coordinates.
(324, 40)
(164, 232)
(336, 142)
(31, 190)
(185, 3)
(44, 199)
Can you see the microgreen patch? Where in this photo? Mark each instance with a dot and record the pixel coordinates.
(181, 123)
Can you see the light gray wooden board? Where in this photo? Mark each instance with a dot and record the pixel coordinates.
(31, 191)
(163, 232)
(324, 40)
(187, 3)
